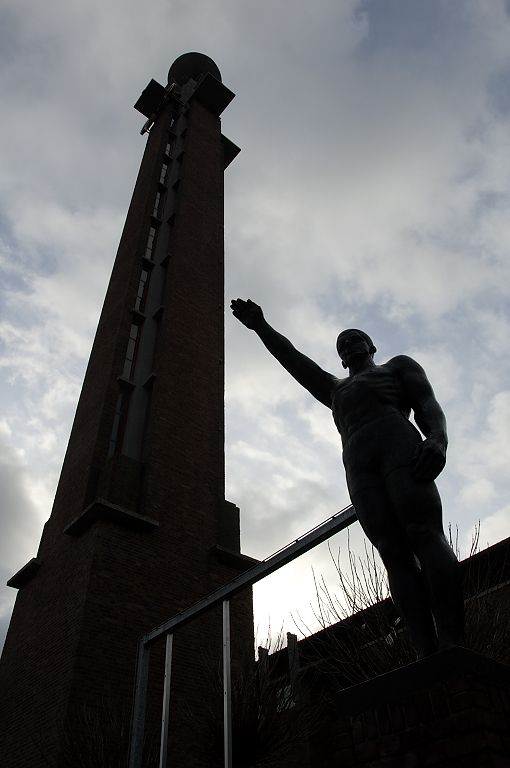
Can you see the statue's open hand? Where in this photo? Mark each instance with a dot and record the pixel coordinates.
(429, 459)
(247, 312)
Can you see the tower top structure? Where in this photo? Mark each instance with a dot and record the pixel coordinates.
(192, 65)
(192, 76)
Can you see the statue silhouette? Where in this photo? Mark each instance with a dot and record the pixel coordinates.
(390, 471)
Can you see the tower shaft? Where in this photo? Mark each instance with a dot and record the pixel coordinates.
(140, 527)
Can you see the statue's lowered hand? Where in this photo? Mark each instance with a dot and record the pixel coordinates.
(247, 312)
(429, 459)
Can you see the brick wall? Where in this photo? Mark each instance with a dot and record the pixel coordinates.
(450, 710)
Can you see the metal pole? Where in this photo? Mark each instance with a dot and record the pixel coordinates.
(139, 705)
(227, 688)
(163, 751)
(293, 656)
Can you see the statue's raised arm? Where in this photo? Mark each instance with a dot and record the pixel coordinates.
(311, 376)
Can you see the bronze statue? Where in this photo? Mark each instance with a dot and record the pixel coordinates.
(390, 471)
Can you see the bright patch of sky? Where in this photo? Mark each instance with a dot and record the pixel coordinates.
(373, 191)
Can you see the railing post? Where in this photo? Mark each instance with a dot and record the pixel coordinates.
(227, 688)
(139, 705)
(163, 750)
(293, 656)
(223, 594)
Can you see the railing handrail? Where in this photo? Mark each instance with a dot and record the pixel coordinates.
(281, 557)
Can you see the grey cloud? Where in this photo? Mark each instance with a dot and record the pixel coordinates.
(19, 523)
(410, 26)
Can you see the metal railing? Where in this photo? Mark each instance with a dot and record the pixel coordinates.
(223, 595)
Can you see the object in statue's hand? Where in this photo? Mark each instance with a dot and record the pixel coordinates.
(429, 459)
(247, 312)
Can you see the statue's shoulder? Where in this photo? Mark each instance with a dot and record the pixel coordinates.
(403, 364)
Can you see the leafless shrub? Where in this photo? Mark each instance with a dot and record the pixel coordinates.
(487, 600)
(98, 736)
(361, 635)
(270, 719)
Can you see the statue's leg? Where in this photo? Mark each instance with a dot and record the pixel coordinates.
(418, 507)
(405, 578)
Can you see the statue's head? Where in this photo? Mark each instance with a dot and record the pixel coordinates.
(353, 342)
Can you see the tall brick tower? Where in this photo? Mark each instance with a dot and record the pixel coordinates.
(140, 527)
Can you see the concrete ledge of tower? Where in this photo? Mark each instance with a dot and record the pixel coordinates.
(138, 317)
(151, 97)
(228, 549)
(149, 381)
(104, 510)
(125, 383)
(212, 94)
(147, 263)
(25, 574)
(233, 559)
(230, 151)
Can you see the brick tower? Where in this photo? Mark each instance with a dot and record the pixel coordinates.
(140, 527)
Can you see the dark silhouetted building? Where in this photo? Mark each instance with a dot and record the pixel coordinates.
(140, 527)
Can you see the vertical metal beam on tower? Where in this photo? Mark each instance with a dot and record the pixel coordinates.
(227, 687)
(139, 705)
(165, 714)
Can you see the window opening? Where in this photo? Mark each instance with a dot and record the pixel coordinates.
(170, 145)
(119, 423)
(151, 241)
(132, 345)
(163, 174)
(141, 292)
(157, 203)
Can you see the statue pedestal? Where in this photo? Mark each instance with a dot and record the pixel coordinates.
(450, 710)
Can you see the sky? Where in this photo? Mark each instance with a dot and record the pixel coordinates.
(372, 191)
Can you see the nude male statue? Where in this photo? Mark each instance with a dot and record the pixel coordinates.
(390, 471)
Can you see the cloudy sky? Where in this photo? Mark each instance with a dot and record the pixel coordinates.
(373, 190)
